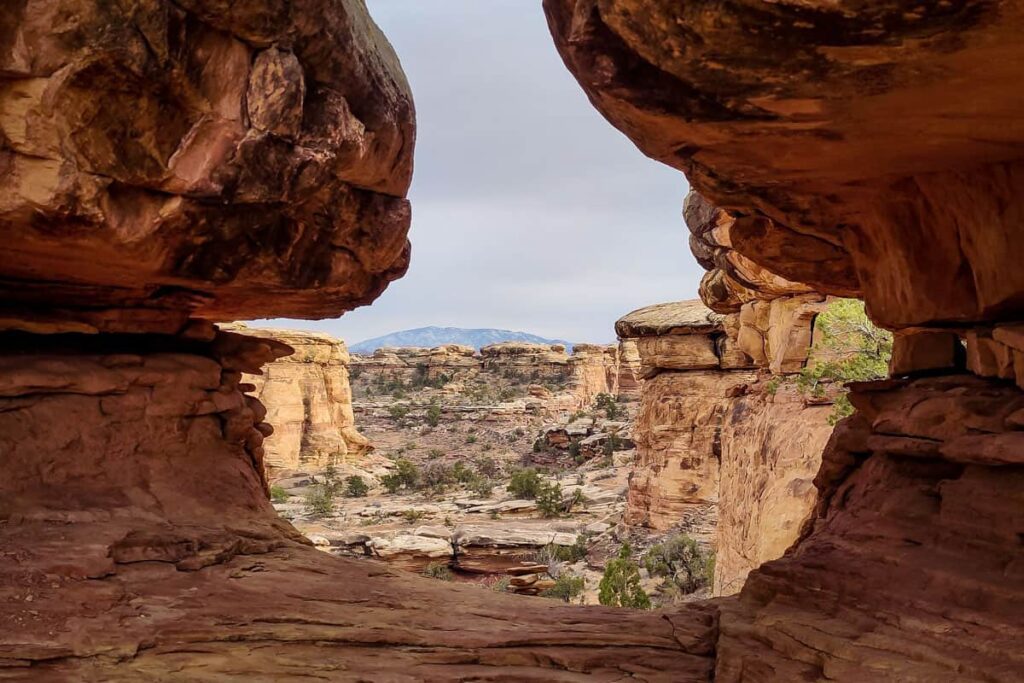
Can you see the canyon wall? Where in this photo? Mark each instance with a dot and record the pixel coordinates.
(724, 454)
(577, 378)
(309, 402)
(831, 147)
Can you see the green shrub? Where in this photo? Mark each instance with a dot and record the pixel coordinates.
(412, 516)
(319, 500)
(461, 473)
(611, 408)
(563, 553)
(502, 584)
(406, 475)
(525, 483)
(438, 570)
(566, 588)
(398, 411)
(549, 499)
(355, 487)
(434, 453)
(278, 494)
(434, 415)
(620, 584)
(471, 438)
(681, 560)
(849, 348)
(391, 482)
(482, 487)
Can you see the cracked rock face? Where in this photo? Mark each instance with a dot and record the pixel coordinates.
(224, 160)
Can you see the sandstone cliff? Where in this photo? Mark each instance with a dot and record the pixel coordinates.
(719, 456)
(309, 402)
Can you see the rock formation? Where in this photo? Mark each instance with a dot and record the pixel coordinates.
(309, 402)
(720, 457)
(828, 135)
(214, 161)
(166, 159)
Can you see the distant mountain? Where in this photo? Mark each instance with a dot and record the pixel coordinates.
(438, 336)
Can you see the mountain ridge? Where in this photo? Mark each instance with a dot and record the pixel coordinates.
(437, 336)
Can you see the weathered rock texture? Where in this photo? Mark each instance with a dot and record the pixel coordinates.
(828, 134)
(718, 456)
(309, 402)
(832, 137)
(164, 159)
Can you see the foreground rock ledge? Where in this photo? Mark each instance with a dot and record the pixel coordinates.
(139, 544)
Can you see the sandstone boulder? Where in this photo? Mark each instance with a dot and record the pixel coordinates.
(202, 158)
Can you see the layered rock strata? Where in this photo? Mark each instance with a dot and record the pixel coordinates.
(832, 142)
(309, 401)
(590, 369)
(719, 457)
(167, 159)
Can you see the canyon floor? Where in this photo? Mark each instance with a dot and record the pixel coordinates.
(457, 531)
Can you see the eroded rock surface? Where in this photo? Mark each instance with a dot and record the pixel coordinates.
(227, 161)
(309, 401)
(721, 457)
(832, 136)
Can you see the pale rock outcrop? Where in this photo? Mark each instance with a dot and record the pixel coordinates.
(771, 448)
(683, 399)
(628, 381)
(309, 402)
(719, 457)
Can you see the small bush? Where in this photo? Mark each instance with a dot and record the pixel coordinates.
(488, 467)
(412, 516)
(391, 482)
(525, 483)
(434, 453)
(461, 473)
(438, 570)
(681, 560)
(406, 475)
(437, 475)
(566, 588)
(434, 415)
(408, 472)
(620, 585)
(549, 499)
(482, 487)
(355, 487)
(471, 438)
(611, 408)
(278, 494)
(319, 500)
(502, 584)
(563, 553)
(398, 411)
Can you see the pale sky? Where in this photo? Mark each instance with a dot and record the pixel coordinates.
(530, 212)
